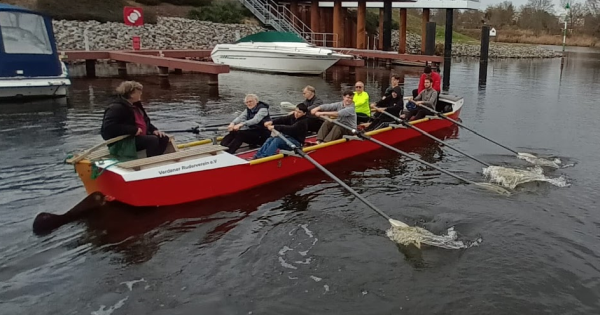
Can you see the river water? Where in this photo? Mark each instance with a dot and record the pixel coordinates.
(306, 246)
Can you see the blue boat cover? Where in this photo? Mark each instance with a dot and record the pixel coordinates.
(27, 44)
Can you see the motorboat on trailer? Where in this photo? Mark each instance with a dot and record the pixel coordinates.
(203, 170)
(29, 61)
(276, 52)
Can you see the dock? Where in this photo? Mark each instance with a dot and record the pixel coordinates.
(198, 60)
(179, 60)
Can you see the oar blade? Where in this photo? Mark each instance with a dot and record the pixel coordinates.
(538, 160)
(287, 105)
(396, 223)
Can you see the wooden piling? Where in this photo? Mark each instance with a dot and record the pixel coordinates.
(424, 20)
(483, 57)
(448, 49)
(90, 68)
(402, 42)
(122, 68)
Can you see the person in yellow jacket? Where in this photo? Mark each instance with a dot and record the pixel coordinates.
(361, 103)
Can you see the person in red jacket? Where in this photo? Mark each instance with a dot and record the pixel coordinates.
(437, 81)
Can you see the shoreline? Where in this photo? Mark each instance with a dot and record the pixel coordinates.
(181, 33)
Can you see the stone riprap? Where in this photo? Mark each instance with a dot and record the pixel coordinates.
(168, 33)
(180, 33)
(496, 51)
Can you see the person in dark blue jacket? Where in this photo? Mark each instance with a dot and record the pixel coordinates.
(248, 127)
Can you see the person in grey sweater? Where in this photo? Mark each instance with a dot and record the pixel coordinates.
(248, 127)
(345, 113)
(427, 97)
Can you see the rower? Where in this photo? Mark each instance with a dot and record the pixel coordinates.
(311, 102)
(393, 105)
(345, 113)
(126, 116)
(293, 127)
(436, 84)
(395, 83)
(427, 97)
(248, 127)
(361, 103)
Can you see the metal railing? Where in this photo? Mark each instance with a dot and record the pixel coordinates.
(283, 20)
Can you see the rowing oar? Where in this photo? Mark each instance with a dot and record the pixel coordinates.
(362, 135)
(46, 222)
(226, 124)
(298, 150)
(194, 130)
(521, 155)
(428, 135)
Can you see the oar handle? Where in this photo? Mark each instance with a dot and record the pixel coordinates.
(428, 135)
(87, 152)
(303, 154)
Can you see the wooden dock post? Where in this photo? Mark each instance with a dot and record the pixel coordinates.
(122, 68)
(424, 20)
(402, 39)
(430, 39)
(163, 71)
(213, 79)
(387, 26)
(361, 24)
(90, 68)
(448, 49)
(483, 56)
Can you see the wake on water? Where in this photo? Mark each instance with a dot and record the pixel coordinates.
(511, 178)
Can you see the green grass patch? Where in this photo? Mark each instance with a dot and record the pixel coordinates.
(413, 25)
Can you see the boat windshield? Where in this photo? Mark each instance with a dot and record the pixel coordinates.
(24, 33)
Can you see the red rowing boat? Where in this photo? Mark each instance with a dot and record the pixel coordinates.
(202, 170)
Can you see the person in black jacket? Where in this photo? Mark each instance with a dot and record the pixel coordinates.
(393, 105)
(294, 127)
(126, 116)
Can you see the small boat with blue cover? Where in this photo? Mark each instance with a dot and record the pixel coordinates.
(29, 61)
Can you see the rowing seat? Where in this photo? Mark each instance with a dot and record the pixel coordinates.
(105, 152)
(169, 158)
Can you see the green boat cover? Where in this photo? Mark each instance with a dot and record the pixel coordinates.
(272, 37)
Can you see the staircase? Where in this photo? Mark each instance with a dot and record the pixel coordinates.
(282, 20)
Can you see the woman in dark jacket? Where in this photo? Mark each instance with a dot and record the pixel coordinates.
(126, 116)
(393, 105)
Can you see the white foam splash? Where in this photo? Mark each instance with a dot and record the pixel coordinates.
(511, 178)
(111, 309)
(326, 287)
(285, 264)
(417, 236)
(130, 284)
(317, 279)
(306, 230)
(284, 249)
(538, 160)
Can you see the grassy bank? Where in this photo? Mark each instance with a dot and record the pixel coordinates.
(516, 36)
(413, 25)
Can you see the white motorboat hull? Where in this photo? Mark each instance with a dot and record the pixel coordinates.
(38, 87)
(288, 60)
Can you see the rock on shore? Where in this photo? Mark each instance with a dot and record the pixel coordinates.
(180, 33)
